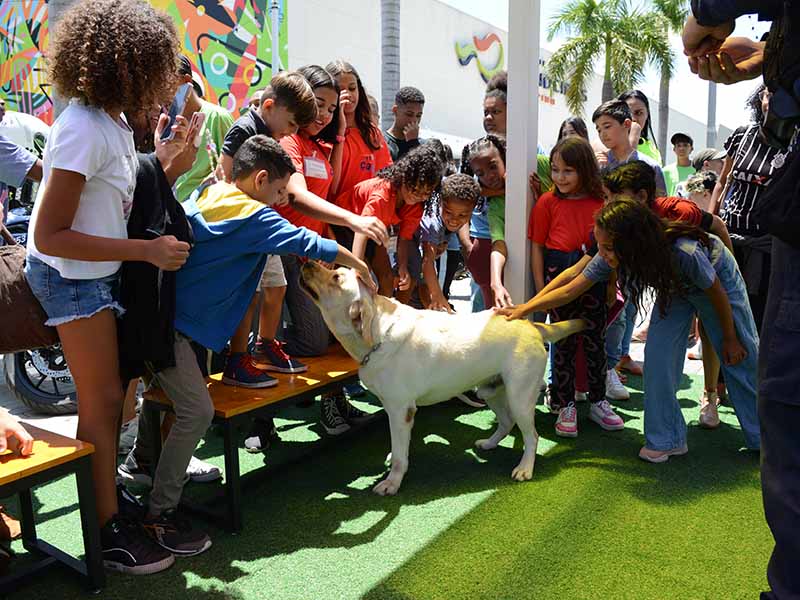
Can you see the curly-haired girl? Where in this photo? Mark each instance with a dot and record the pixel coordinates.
(364, 150)
(690, 271)
(396, 196)
(107, 56)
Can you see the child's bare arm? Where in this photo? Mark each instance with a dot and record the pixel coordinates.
(438, 301)
(537, 265)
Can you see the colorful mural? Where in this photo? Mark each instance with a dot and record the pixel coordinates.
(468, 51)
(23, 40)
(230, 45)
(228, 41)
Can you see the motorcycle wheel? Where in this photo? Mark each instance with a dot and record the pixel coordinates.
(41, 380)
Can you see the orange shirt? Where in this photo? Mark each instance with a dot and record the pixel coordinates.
(359, 161)
(310, 158)
(376, 198)
(678, 209)
(563, 224)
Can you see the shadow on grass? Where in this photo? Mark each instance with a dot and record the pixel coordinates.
(310, 504)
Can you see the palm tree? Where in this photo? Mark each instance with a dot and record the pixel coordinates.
(670, 16)
(611, 29)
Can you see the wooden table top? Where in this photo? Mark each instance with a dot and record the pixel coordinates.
(49, 450)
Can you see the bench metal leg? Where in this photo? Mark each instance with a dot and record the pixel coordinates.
(95, 574)
(233, 484)
(27, 520)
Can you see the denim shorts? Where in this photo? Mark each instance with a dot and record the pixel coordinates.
(66, 300)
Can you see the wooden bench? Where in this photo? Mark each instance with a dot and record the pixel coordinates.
(53, 456)
(234, 407)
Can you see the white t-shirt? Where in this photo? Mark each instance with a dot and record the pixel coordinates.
(86, 140)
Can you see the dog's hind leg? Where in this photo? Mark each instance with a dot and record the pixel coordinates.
(401, 420)
(521, 393)
(505, 423)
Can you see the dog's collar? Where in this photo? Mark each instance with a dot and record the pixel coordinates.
(375, 348)
(367, 356)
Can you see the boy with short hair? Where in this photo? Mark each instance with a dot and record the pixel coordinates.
(218, 122)
(612, 120)
(678, 172)
(286, 104)
(403, 135)
(235, 229)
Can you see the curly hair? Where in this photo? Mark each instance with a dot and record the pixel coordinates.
(754, 104)
(481, 145)
(369, 133)
(576, 152)
(457, 187)
(114, 54)
(702, 181)
(634, 176)
(409, 95)
(636, 232)
(419, 169)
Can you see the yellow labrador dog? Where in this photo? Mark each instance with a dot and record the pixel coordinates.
(412, 358)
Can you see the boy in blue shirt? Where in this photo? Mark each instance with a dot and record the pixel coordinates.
(234, 230)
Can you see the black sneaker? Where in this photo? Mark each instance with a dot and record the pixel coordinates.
(351, 414)
(331, 418)
(128, 549)
(174, 532)
(130, 507)
(136, 471)
(262, 435)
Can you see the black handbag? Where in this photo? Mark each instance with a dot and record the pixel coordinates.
(23, 318)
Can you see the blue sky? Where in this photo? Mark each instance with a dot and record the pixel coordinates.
(693, 92)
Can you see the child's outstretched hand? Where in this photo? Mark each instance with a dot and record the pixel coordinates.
(733, 352)
(502, 299)
(535, 184)
(167, 253)
(511, 313)
(13, 435)
(362, 270)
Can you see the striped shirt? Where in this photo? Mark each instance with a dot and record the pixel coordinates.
(754, 166)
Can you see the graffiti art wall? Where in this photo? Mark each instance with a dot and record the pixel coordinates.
(23, 39)
(228, 41)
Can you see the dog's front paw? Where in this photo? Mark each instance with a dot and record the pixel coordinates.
(387, 487)
(486, 444)
(522, 472)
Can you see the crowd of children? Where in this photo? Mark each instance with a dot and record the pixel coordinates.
(306, 174)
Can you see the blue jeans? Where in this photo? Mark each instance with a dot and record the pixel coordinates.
(664, 427)
(619, 334)
(779, 407)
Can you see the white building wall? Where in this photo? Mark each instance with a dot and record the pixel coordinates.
(321, 30)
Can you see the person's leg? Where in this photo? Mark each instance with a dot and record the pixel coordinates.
(593, 311)
(664, 426)
(779, 408)
(273, 291)
(378, 260)
(478, 262)
(90, 348)
(740, 378)
(307, 335)
(709, 417)
(186, 388)
(454, 261)
(241, 337)
(614, 334)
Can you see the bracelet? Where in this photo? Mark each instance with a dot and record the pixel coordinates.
(339, 139)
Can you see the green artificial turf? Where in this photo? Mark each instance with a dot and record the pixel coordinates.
(595, 521)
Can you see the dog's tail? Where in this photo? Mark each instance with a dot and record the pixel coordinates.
(558, 331)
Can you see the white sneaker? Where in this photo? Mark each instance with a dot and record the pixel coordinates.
(548, 404)
(201, 471)
(709, 417)
(602, 414)
(614, 388)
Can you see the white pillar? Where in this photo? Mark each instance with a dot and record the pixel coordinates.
(523, 130)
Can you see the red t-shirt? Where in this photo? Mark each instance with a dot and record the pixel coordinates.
(678, 209)
(310, 158)
(359, 161)
(376, 198)
(563, 224)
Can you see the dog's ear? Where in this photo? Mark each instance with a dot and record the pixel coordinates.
(361, 313)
